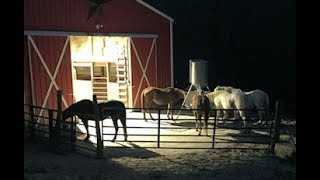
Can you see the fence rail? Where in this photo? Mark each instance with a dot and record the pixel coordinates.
(161, 133)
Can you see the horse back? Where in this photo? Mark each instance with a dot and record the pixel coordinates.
(160, 96)
(82, 109)
(112, 108)
(200, 102)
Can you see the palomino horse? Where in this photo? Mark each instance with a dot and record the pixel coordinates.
(201, 108)
(237, 99)
(84, 110)
(153, 96)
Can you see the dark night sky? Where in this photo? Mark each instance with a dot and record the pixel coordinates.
(248, 44)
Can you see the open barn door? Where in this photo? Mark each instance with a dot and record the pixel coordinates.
(100, 67)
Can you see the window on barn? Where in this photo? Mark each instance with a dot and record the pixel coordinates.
(83, 73)
(112, 69)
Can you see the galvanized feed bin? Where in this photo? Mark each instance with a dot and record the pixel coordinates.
(198, 72)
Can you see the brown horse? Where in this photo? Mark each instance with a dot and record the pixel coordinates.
(153, 96)
(201, 108)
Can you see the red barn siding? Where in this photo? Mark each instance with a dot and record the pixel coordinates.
(50, 49)
(142, 46)
(118, 16)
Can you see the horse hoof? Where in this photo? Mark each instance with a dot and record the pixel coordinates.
(113, 140)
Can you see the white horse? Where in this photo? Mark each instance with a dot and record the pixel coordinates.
(229, 89)
(259, 98)
(261, 102)
(232, 99)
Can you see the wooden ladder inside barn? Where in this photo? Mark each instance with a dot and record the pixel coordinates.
(122, 80)
(100, 81)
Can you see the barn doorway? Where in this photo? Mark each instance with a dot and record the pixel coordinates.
(100, 66)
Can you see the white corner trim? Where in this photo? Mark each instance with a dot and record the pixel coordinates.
(30, 71)
(155, 10)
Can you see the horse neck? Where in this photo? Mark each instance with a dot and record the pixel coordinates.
(66, 114)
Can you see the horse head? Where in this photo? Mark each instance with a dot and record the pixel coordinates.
(180, 93)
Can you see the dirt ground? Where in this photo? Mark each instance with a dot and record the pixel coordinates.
(41, 162)
(125, 163)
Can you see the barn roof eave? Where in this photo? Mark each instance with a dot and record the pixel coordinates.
(155, 10)
(73, 33)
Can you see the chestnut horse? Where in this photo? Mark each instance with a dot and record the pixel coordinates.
(153, 96)
(201, 108)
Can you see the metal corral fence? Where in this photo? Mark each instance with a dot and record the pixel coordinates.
(160, 133)
(48, 128)
(181, 133)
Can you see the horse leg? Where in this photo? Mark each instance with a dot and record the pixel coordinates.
(116, 127)
(171, 109)
(200, 124)
(196, 116)
(150, 115)
(244, 119)
(225, 116)
(148, 110)
(206, 117)
(144, 115)
(124, 124)
(168, 111)
(263, 117)
(85, 122)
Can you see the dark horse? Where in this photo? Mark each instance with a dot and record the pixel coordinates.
(201, 108)
(84, 110)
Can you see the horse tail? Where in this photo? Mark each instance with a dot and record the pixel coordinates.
(142, 101)
(143, 104)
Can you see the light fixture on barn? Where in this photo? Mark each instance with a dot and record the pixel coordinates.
(99, 26)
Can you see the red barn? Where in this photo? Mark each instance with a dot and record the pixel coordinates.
(113, 50)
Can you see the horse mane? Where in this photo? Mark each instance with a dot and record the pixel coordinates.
(229, 89)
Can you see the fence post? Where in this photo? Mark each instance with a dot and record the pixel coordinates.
(97, 118)
(158, 140)
(276, 130)
(59, 116)
(50, 125)
(32, 121)
(214, 128)
(270, 130)
(73, 134)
